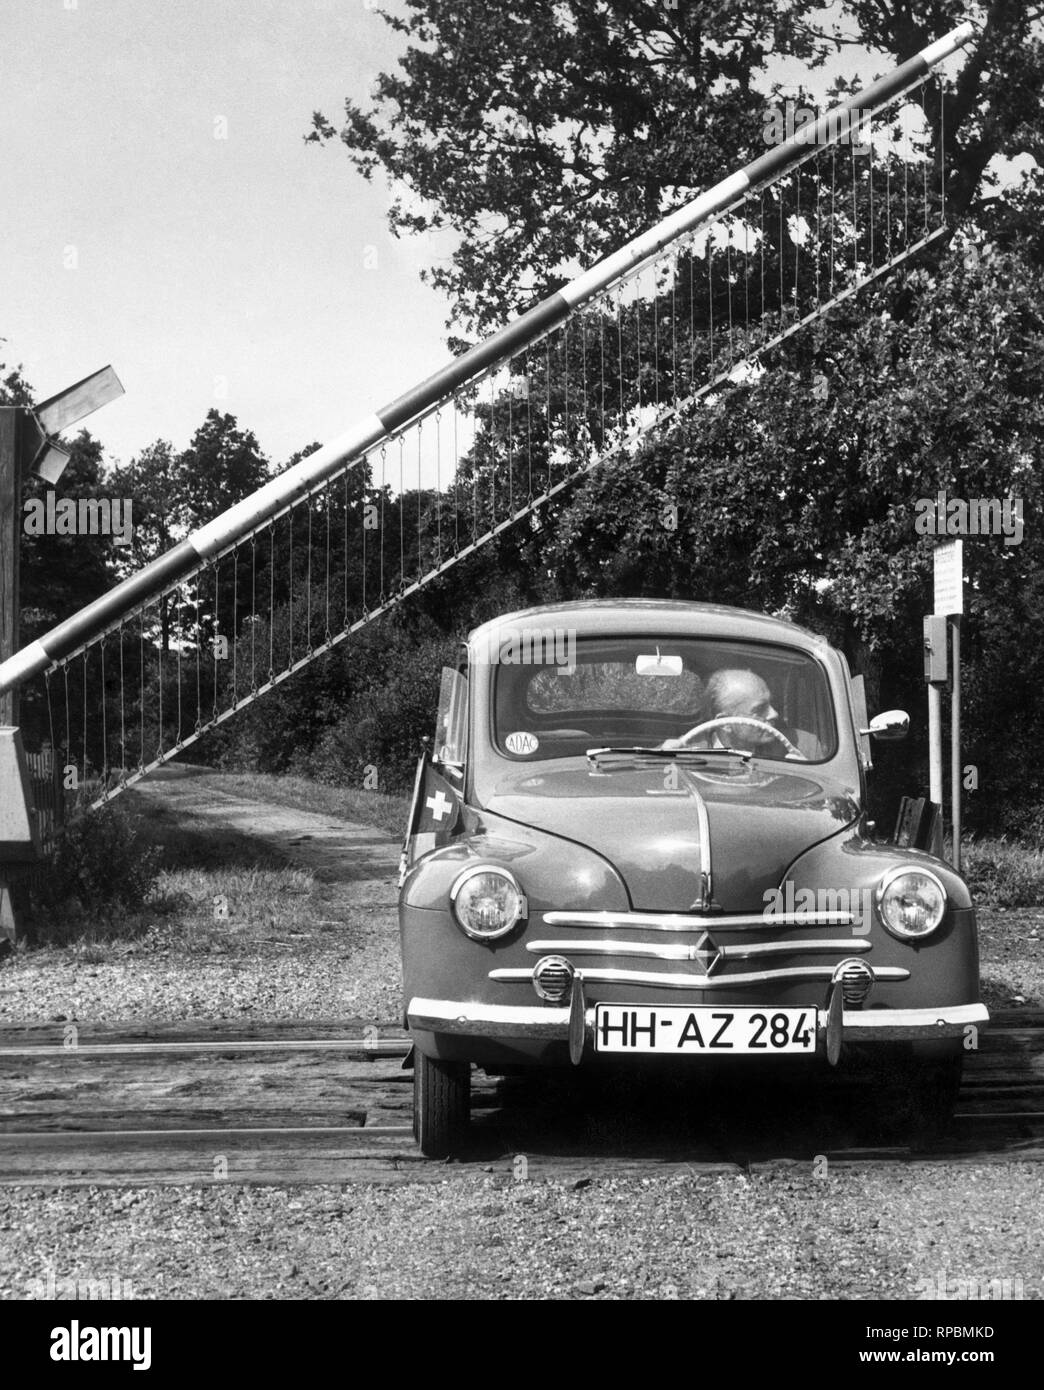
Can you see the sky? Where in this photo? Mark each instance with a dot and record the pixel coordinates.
(162, 213)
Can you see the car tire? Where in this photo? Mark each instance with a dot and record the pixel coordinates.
(441, 1105)
(914, 1100)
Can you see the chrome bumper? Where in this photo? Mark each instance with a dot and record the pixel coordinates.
(543, 1023)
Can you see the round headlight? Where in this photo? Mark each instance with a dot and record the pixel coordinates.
(487, 902)
(911, 902)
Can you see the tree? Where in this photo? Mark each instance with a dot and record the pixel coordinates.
(222, 465)
(174, 493)
(155, 482)
(547, 134)
(14, 389)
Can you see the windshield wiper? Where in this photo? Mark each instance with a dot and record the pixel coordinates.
(697, 756)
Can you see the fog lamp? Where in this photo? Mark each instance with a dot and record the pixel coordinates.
(553, 978)
(856, 980)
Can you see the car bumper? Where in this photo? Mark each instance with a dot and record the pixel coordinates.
(536, 1023)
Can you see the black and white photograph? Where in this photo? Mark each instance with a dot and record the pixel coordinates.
(522, 667)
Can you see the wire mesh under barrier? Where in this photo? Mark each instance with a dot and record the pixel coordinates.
(701, 315)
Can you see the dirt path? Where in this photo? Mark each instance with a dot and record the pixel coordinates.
(335, 851)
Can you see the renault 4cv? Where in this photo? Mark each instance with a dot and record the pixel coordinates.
(640, 829)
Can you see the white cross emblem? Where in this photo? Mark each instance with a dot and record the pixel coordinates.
(438, 805)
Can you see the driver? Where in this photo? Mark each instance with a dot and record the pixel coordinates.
(742, 693)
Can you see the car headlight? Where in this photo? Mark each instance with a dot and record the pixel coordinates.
(911, 902)
(487, 902)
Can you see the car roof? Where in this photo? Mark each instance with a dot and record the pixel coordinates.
(636, 616)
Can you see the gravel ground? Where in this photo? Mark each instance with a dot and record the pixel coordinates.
(1011, 951)
(352, 970)
(871, 1234)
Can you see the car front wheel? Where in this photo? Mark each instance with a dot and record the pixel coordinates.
(441, 1104)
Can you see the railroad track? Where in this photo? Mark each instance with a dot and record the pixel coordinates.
(330, 1102)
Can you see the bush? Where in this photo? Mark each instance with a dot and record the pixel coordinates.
(383, 724)
(102, 873)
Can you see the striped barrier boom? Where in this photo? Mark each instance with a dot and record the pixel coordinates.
(217, 536)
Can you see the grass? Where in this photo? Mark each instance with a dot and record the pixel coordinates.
(206, 887)
(213, 886)
(1001, 873)
(198, 873)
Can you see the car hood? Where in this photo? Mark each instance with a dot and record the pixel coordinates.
(646, 822)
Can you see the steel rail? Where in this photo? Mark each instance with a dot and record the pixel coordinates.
(351, 1131)
(391, 1047)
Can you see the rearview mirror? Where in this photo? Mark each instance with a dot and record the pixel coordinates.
(890, 725)
(658, 665)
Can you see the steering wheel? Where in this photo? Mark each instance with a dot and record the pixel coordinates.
(742, 719)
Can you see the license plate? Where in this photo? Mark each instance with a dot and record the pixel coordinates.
(708, 1031)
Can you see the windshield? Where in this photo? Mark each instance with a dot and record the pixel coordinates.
(773, 702)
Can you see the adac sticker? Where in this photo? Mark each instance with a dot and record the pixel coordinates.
(521, 743)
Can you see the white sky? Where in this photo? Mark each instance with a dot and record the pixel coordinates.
(210, 272)
(199, 258)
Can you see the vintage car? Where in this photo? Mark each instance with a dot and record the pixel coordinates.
(641, 829)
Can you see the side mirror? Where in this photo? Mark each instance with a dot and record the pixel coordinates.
(890, 725)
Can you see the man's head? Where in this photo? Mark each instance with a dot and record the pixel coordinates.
(740, 692)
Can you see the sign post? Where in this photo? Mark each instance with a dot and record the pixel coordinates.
(10, 536)
(936, 673)
(949, 605)
(955, 741)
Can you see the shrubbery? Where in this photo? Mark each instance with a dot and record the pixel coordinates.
(383, 724)
(358, 715)
(97, 882)
(1001, 874)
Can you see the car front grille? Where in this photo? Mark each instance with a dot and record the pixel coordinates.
(604, 959)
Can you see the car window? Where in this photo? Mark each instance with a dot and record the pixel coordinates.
(642, 690)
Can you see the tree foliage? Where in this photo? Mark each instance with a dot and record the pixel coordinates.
(545, 135)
